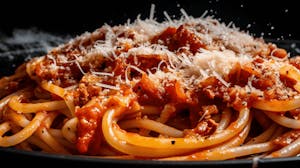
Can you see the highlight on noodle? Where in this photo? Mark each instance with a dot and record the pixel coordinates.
(187, 89)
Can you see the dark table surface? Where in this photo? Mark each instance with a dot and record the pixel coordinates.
(275, 19)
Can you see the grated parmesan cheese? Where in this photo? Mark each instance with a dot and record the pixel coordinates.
(225, 46)
(107, 86)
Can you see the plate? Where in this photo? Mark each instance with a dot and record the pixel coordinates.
(14, 156)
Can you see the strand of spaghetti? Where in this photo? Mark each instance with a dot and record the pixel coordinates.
(31, 67)
(22, 145)
(69, 130)
(231, 153)
(277, 105)
(185, 143)
(164, 116)
(289, 150)
(235, 141)
(43, 133)
(4, 81)
(151, 125)
(39, 143)
(132, 116)
(61, 92)
(22, 135)
(284, 121)
(66, 112)
(19, 72)
(263, 137)
(18, 119)
(49, 119)
(4, 127)
(108, 122)
(166, 113)
(40, 93)
(225, 120)
(57, 134)
(147, 110)
(279, 131)
(106, 150)
(15, 104)
(5, 100)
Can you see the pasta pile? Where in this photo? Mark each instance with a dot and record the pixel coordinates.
(187, 89)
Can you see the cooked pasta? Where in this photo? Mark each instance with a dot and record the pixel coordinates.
(187, 89)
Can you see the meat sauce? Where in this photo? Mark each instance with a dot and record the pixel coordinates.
(177, 40)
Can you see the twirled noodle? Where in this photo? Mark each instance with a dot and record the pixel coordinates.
(15, 104)
(108, 125)
(181, 143)
(22, 135)
(289, 150)
(225, 120)
(263, 137)
(151, 125)
(69, 130)
(62, 93)
(236, 141)
(284, 121)
(39, 143)
(277, 105)
(236, 151)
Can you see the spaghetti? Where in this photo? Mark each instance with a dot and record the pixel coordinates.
(188, 89)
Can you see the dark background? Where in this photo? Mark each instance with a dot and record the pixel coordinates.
(275, 19)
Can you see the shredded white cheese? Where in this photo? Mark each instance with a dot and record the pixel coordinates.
(226, 46)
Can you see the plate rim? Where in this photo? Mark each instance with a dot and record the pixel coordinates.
(95, 159)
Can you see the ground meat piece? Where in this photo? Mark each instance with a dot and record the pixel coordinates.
(279, 53)
(179, 39)
(204, 128)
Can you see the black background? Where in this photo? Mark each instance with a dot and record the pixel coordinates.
(77, 16)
